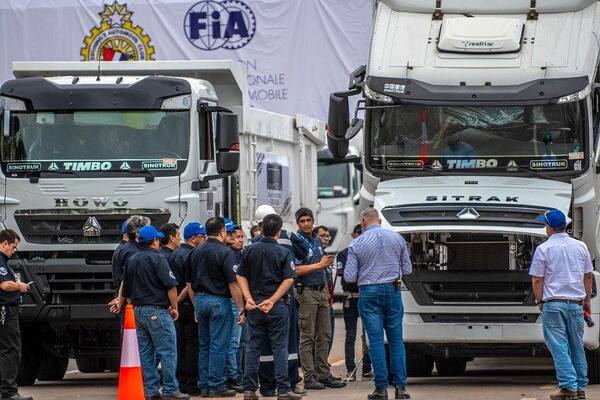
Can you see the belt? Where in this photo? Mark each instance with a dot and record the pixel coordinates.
(151, 306)
(351, 295)
(317, 288)
(580, 302)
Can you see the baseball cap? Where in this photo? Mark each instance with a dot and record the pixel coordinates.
(554, 219)
(124, 227)
(193, 229)
(149, 233)
(229, 225)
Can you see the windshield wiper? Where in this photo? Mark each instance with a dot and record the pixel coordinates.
(34, 177)
(149, 176)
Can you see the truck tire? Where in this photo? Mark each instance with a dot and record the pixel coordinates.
(53, 368)
(418, 364)
(89, 365)
(451, 366)
(31, 356)
(593, 362)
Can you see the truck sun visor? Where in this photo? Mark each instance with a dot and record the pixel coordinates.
(480, 35)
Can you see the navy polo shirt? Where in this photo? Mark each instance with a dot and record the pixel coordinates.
(7, 274)
(311, 246)
(265, 265)
(167, 252)
(122, 253)
(148, 278)
(179, 262)
(340, 264)
(212, 268)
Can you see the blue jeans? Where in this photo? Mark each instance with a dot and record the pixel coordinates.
(157, 340)
(242, 350)
(274, 329)
(381, 309)
(214, 332)
(234, 344)
(563, 333)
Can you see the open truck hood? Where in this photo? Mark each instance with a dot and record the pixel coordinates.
(474, 204)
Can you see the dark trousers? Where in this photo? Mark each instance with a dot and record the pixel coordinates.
(273, 328)
(187, 347)
(10, 350)
(266, 373)
(351, 315)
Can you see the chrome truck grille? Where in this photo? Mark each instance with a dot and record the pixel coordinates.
(80, 226)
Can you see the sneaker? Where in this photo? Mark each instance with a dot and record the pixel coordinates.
(401, 393)
(313, 384)
(564, 394)
(289, 396)
(378, 395)
(300, 391)
(250, 395)
(204, 392)
(367, 376)
(224, 393)
(176, 396)
(233, 384)
(332, 382)
(581, 394)
(350, 377)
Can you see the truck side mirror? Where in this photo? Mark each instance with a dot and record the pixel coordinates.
(337, 125)
(228, 143)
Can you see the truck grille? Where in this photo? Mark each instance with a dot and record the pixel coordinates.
(66, 226)
(447, 214)
(468, 287)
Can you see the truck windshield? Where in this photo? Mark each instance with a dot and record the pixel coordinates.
(446, 138)
(334, 180)
(94, 140)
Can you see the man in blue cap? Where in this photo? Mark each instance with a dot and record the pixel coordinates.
(152, 288)
(562, 279)
(194, 235)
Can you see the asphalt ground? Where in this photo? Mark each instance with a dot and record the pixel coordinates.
(487, 379)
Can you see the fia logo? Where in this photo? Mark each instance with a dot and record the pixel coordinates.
(212, 25)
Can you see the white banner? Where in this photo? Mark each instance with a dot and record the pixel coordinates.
(295, 52)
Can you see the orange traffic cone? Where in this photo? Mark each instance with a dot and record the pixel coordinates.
(131, 386)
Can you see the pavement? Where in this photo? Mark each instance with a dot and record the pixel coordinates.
(487, 379)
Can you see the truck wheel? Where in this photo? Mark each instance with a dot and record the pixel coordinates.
(53, 367)
(418, 364)
(451, 366)
(90, 365)
(29, 367)
(593, 362)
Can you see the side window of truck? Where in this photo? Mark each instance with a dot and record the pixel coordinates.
(596, 109)
(207, 125)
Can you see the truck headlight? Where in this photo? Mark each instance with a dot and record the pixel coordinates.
(373, 95)
(582, 94)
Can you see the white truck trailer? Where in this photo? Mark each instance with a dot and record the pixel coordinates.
(85, 145)
(478, 117)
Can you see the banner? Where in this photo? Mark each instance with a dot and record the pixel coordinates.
(295, 52)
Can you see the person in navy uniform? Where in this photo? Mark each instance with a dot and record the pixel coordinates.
(171, 241)
(186, 326)
(265, 275)
(211, 279)
(10, 334)
(266, 372)
(152, 288)
(124, 239)
(312, 294)
(351, 315)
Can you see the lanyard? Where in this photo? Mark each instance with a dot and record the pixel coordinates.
(315, 251)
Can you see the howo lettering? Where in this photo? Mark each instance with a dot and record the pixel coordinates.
(505, 131)
(77, 163)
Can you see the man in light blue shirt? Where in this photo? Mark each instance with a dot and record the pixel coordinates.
(377, 260)
(562, 278)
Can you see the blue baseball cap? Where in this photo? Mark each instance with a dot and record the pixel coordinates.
(193, 229)
(229, 225)
(554, 218)
(124, 227)
(148, 233)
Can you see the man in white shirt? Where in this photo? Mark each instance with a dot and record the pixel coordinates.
(561, 272)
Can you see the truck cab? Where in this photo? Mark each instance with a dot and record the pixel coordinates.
(477, 120)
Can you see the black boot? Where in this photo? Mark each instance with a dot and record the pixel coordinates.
(401, 393)
(378, 395)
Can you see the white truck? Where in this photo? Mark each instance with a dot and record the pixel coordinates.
(478, 117)
(85, 145)
(339, 186)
